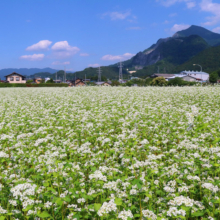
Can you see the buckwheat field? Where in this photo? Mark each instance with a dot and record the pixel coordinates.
(110, 153)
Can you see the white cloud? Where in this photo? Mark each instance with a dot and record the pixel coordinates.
(118, 57)
(62, 49)
(60, 63)
(190, 4)
(133, 28)
(41, 45)
(216, 30)
(172, 15)
(94, 65)
(115, 15)
(34, 57)
(179, 27)
(213, 8)
(84, 54)
(168, 3)
(166, 22)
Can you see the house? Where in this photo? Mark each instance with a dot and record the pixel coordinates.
(200, 76)
(15, 78)
(77, 82)
(37, 80)
(103, 84)
(190, 79)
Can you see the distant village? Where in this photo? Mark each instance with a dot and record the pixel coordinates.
(188, 76)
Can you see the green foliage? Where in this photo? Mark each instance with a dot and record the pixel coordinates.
(208, 59)
(50, 81)
(163, 65)
(159, 81)
(33, 85)
(176, 82)
(115, 83)
(217, 72)
(213, 77)
(29, 81)
(48, 85)
(180, 50)
(180, 82)
(13, 85)
(95, 78)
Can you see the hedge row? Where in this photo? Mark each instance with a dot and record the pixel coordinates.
(33, 85)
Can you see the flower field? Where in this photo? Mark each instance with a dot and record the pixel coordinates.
(110, 153)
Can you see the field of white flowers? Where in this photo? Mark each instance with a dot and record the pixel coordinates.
(110, 153)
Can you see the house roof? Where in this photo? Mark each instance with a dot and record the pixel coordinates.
(100, 83)
(165, 75)
(193, 72)
(14, 73)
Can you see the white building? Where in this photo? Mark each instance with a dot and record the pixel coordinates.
(199, 76)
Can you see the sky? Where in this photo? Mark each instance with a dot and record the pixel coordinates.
(76, 34)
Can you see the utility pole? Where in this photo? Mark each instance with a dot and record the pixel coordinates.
(99, 74)
(64, 74)
(158, 69)
(75, 79)
(85, 78)
(120, 71)
(56, 77)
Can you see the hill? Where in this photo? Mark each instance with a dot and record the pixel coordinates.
(110, 72)
(208, 59)
(25, 71)
(210, 37)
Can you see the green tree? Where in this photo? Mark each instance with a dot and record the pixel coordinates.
(213, 77)
(177, 82)
(50, 81)
(95, 78)
(159, 81)
(115, 83)
(29, 81)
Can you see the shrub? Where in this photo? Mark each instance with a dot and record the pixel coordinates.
(159, 81)
(213, 77)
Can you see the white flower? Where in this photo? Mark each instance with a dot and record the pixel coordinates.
(125, 214)
(149, 214)
(107, 207)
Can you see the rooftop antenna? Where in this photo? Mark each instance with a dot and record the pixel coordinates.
(99, 74)
(120, 71)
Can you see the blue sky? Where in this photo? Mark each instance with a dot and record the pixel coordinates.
(80, 33)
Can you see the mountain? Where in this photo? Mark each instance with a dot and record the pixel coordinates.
(173, 50)
(27, 71)
(210, 37)
(208, 59)
(110, 72)
(177, 49)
